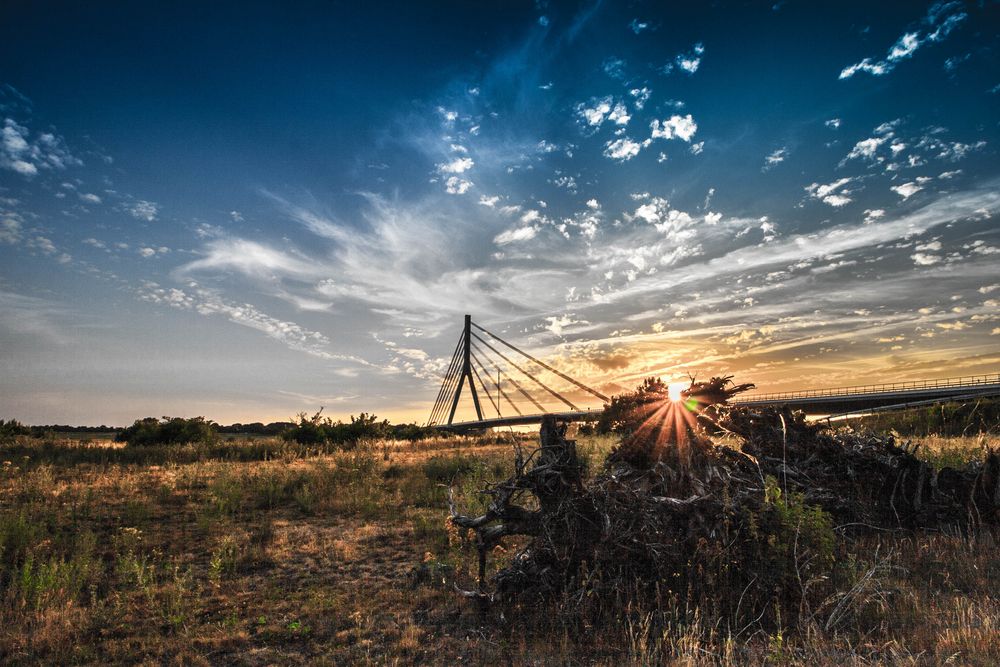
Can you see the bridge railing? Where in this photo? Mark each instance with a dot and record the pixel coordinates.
(970, 381)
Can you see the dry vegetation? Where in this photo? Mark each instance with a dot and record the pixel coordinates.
(267, 552)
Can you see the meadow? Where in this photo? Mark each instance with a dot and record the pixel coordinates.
(263, 551)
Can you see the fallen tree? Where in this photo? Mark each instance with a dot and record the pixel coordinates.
(750, 531)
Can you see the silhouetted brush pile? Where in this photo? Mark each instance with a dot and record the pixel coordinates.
(752, 533)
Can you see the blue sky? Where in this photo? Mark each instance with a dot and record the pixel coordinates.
(247, 210)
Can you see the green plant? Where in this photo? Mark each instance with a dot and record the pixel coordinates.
(168, 431)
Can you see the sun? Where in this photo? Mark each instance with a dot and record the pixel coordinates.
(675, 391)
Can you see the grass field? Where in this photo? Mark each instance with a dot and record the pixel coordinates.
(264, 552)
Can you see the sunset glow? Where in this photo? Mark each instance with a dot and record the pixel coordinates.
(675, 391)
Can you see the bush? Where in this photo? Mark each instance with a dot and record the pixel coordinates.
(168, 431)
(318, 429)
(12, 428)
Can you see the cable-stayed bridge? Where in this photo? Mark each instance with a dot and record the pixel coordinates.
(510, 387)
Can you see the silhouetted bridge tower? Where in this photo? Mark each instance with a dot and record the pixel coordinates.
(477, 360)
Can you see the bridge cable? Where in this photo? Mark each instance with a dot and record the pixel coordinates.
(514, 382)
(546, 366)
(442, 393)
(498, 386)
(486, 391)
(450, 386)
(536, 380)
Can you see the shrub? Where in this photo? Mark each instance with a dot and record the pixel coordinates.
(12, 428)
(168, 431)
(318, 429)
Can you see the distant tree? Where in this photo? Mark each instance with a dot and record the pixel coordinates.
(11, 428)
(168, 431)
(308, 430)
(318, 429)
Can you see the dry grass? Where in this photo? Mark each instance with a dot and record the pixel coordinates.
(346, 558)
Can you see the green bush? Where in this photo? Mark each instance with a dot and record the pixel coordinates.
(12, 428)
(445, 469)
(318, 429)
(168, 431)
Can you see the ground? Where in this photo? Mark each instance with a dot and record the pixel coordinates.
(262, 552)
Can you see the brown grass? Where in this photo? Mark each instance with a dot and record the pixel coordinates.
(347, 558)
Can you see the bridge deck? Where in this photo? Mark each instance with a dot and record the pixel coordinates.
(814, 402)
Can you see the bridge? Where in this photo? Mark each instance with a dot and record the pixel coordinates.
(481, 354)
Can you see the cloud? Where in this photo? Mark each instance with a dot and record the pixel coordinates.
(614, 67)
(941, 19)
(641, 96)
(675, 127)
(558, 324)
(594, 113)
(777, 157)
(833, 123)
(833, 194)
(515, 235)
(26, 156)
(457, 186)
(906, 190)
(90, 198)
(638, 26)
(687, 62)
(10, 228)
(871, 215)
(866, 148)
(34, 317)
(456, 166)
(623, 149)
(250, 258)
(147, 210)
(209, 303)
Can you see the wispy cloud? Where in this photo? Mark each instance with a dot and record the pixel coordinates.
(941, 19)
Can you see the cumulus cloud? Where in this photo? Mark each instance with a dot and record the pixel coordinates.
(456, 166)
(557, 324)
(641, 96)
(10, 229)
(594, 112)
(834, 194)
(457, 186)
(907, 190)
(623, 149)
(675, 127)
(21, 153)
(687, 62)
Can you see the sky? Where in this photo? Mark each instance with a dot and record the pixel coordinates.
(247, 210)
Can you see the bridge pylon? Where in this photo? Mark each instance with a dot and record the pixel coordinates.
(477, 359)
(466, 373)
